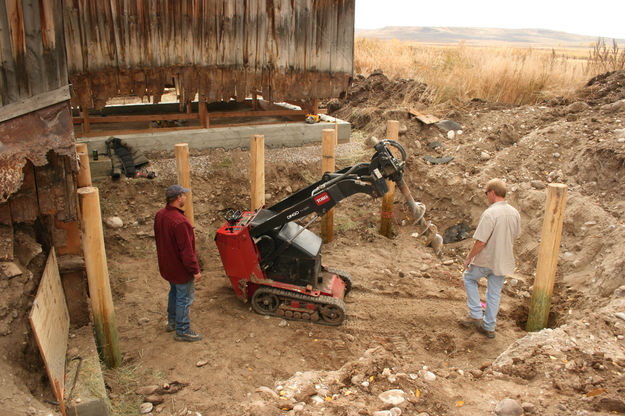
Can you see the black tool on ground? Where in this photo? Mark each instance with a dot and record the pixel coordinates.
(275, 263)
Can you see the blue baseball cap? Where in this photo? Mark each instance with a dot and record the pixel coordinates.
(175, 190)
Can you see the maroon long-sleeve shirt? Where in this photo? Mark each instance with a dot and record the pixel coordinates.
(175, 245)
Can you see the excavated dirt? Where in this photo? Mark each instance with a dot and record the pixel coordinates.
(401, 331)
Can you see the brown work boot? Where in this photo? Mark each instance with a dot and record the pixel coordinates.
(489, 334)
(470, 322)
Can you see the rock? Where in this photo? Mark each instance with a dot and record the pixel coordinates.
(154, 399)
(267, 196)
(114, 222)
(448, 262)
(620, 315)
(428, 376)
(577, 107)
(528, 407)
(620, 292)
(201, 363)
(484, 156)
(268, 392)
(395, 411)
(447, 125)
(451, 134)
(508, 407)
(392, 397)
(305, 392)
(147, 390)
(10, 269)
(283, 323)
(382, 413)
(26, 248)
(146, 407)
(476, 373)
(538, 184)
(403, 129)
(613, 107)
(456, 233)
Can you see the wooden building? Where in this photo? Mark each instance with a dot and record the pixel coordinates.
(37, 160)
(218, 49)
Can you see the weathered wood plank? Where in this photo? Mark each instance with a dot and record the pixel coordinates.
(8, 83)
(24, 206)
(49, 320)
(6, 240)
(30, 104)
(34, 48)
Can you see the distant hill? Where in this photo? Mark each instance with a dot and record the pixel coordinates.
(483, 36)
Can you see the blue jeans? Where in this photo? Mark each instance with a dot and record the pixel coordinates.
(180, 299)
(493, 294)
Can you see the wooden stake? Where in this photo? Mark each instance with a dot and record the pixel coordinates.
(328, 141)
(181, 151)
(386, 222)
(84, 171)
(98, 277)
(547, 257)
(81, 148)
(257, 171)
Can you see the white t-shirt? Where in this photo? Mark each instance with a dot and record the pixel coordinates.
(499, 225)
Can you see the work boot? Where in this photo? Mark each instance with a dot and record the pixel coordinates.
(171, 327)
(489, 334)
(188, 336)
(470, 322)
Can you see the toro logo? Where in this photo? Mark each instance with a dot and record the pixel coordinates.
(322, 198)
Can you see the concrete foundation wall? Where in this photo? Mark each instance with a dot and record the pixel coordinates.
(276, 135)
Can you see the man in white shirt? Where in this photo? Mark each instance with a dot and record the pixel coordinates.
(492, 255)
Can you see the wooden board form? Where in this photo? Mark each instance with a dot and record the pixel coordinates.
(49, 320)
(424, 118)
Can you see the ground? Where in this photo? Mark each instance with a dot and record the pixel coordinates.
(401, 330)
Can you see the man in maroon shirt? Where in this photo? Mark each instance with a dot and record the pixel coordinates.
(177, 262)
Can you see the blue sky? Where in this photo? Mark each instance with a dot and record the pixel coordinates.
(599, 18)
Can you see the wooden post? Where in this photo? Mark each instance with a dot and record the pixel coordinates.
(81, 148)
(84, 171)
(315, 106)
(203, 114)
(257, 171)
(547, 257)
(98, 277)
(328, 141)
(386, 223)
(84, 112)
(181, 150)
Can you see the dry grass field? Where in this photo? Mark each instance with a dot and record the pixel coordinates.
(493, 73)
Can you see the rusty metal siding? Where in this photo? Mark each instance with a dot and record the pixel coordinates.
(35, 116)
(32, 49)
(288, 49)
